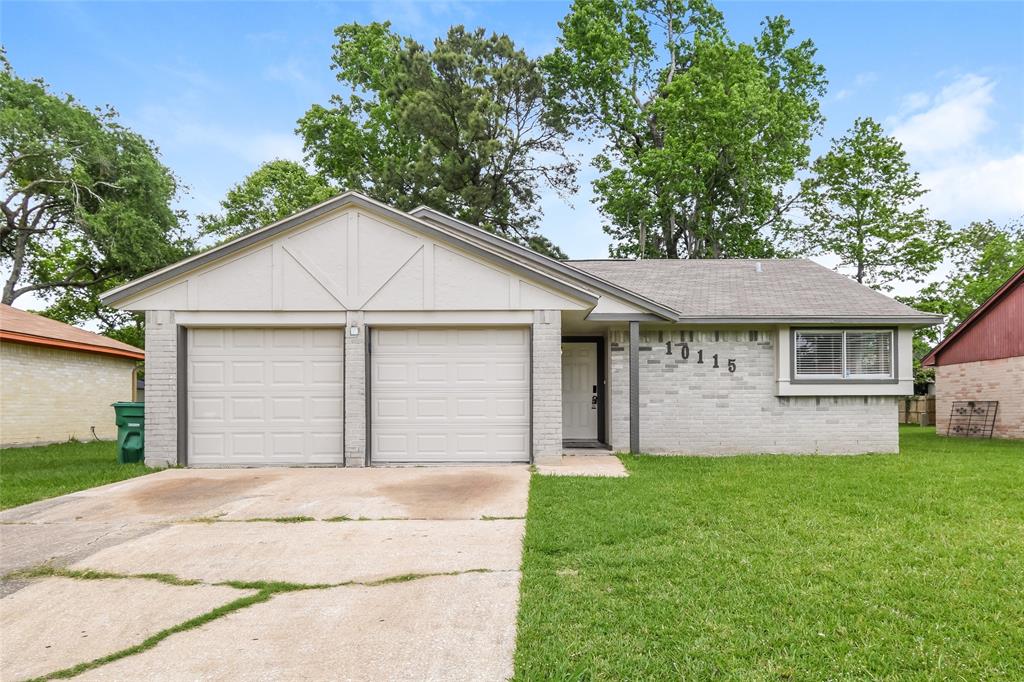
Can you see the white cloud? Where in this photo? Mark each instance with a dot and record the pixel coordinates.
(958, 115)
(987, 188)
(968, 177)
(251, 146)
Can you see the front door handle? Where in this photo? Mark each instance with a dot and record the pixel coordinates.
(593, 403)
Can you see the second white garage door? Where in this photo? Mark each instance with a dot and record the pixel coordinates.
(259, 397)
(450, 395)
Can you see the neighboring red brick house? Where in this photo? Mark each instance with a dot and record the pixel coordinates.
(983, 359)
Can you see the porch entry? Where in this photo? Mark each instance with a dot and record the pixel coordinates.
(583, 391)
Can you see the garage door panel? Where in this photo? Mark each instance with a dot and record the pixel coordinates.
(265, 396)
(247, 409)
(450, 395)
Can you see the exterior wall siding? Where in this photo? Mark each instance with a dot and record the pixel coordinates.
(691, 408)
(546, 369)
(50, 395)
(997, 333)
(161, 389)
(1001, 380)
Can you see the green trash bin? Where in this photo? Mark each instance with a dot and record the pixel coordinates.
(131, 435)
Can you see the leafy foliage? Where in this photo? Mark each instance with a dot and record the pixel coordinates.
(703, 132)
(862, 202)
(462, 127)
(275, 190)
(983, 257)
(86, 202)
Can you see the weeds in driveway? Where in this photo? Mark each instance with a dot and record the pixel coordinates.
(260, 591)
(282, 519)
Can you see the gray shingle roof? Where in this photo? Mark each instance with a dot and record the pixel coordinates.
(734, 289)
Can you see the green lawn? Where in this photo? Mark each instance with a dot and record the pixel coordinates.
(905, 566)
(30, 474)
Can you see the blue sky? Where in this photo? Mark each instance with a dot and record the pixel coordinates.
(219, 86)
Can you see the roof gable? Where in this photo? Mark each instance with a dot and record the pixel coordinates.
(997, 324)
(350, 254)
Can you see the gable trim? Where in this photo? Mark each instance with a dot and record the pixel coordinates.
(603, 285)
(931, 359)
(348, 199)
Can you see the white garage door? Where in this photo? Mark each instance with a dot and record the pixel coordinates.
(261, 397)
(450, 395)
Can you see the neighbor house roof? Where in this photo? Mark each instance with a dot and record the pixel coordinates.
(979, 313)
(20, 326)
(732, 290)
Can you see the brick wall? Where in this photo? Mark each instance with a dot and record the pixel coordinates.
(161, 388)
(547, 387)
(1001, 380)
(691, 408)
(50, 395)
(355, 398)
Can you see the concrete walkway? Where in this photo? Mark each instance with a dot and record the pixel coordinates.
(358, 574)
(585, 464)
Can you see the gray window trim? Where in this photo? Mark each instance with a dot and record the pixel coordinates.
(841, 381)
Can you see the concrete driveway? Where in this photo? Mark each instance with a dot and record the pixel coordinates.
(269, 574)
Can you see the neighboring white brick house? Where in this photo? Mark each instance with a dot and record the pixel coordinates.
(57, 382)
(354, 334)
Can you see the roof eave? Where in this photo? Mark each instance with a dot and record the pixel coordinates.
(905, 320)
(32, 340)
(586, 278)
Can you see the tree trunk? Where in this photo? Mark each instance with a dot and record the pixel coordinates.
(17, 265)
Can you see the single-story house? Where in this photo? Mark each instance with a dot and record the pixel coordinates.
(983, 360)
(57, 381)
(353, 333)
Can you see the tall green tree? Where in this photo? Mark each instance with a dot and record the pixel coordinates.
(462, 127)
(983, 256)
(86, 202)
(275, 190)
(863, 205)
(702, 132)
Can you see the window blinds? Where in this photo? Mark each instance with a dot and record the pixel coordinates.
(844, 354)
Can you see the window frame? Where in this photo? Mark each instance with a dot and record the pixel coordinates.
(795, 378)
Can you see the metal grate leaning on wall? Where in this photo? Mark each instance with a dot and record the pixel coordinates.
(972, 418)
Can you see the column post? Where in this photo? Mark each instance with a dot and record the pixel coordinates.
(634, 386)
(355, 390)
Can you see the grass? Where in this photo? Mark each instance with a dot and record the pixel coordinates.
(781, 568)
(31, 474)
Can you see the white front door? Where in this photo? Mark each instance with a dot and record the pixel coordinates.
(450, 395)
(259, 397)
(579, 391)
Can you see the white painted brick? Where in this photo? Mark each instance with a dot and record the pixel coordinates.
(547, 387)
(691, 408)
(355, 399)
(161, 389)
